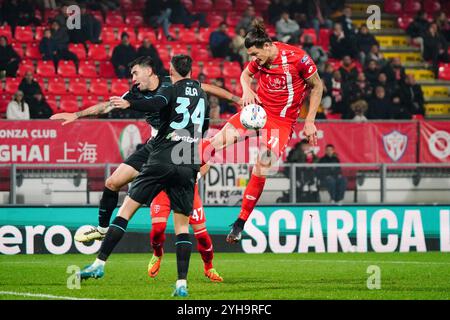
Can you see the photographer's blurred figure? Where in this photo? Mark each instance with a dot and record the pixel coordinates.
(331, 177)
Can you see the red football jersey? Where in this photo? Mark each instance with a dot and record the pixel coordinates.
(282, 86)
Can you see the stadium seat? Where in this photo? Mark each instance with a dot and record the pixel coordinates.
(223, 5)
(39, 33)
(97, 52)
(203, 5)
(17, 46)
(109, 37)
(126, 5)
(107, 70)
(32, 51)
(431, 6)
(51, 100)
(24, 67)
(50, 14)
(45, 69)
(24, 34)
(179, 49)
(444, 71)
(404, 21)
(69, 104)
(4, 101)
(231, 69)
(203, 35)
(200, 53)
(195, 71)
(233, 20)
(262, 5)
(89, 101)
(5, 31)
(242, 5)
(146, 34)
(188, 4)
(324, 38)
(56, 86)
(98, 15)
(67, 69)
(212, 70)
(99, 87)
(411, 6)
(311, 33)
(78, 86)
(12, 85)
(214, 20)
(187, 36)
(114, 19)
(163, 53)
(134, 20)
(87, 69)
(119, 87)
(130, 32)
(79, 50)
(393, 6)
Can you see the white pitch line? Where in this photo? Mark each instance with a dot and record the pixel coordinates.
(39, 295)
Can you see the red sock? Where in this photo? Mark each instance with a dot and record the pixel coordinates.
(157, 237)
(205, 247)
(206, 151)
(251, 196)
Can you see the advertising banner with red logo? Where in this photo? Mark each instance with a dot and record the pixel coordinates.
(434, 141)
(80, 142)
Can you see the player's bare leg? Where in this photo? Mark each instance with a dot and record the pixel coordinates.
(266, 159)
(206, 250)
(157, 238)
(113, 236)
(183, 251)
(123, 175)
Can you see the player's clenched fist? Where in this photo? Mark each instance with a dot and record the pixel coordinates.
(118, 102)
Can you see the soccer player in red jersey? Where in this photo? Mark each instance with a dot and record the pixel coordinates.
(160, 211)
(286, 75)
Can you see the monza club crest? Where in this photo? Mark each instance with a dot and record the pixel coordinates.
(395, 144)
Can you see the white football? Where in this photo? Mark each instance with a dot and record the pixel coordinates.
(253, 116)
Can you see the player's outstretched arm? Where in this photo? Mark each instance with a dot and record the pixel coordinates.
(248, 95)
(153, 104)
(67, 117)
(315, 83)
(221, 93)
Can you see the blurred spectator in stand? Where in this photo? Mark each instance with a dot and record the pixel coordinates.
(18, 109)
(104, 6)
(348, 70)
(10, 13)
(395, 72)
(91, 27)
(359, 109)
(62, 16)
(287, 29)
(327, 74)
(340, 44)
(47, 47)
(338, 105)
(418, 28)
(181, 15)
(238, 46)
(29, 87)
(380, 107)
(148, 50)
(346, 22)
(225, 105)
(435, 48)
(331, 177)
(299, 12)
(399, 110)
(247, 19)
(412, 96)
(202, 78)
(275, 10)
(61, 40)
(364, 42)
(9, 59)
(389, 88)
(219, 42)
(214, 109)
(443, 24)
(371, 72)
(360, 90)
(317, 54)
(157, 13)
(39, 108)
(375, 55)
(122, 55)
(319, 12)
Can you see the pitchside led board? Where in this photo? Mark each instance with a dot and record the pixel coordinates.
(30, 230)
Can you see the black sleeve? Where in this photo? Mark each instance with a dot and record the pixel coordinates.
(153, 104)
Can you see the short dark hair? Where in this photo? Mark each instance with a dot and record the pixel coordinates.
(257, 36)
(330, 146)
(182, 64)
(144, 61)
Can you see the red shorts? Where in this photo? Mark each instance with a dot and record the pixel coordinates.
(160, 207)
(275, 134)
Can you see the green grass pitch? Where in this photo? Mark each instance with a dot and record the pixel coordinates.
(262, 276)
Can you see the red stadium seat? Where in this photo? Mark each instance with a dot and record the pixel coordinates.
(98, 15)
(411, 6)
(107, 70)
(135, 20)
(78, 49)
(200, 53)
(188, 4)
(146, 34)
(212, 70)
(109, 37)
(393, 6)
(195, 71)
(12, 85)
(24, 67)
(6, 32)
(99, 87)
(51, 100)
(78, 86)
(67, 69)
(214, 20)
(50, 14)
(69, 104)
(179, 49)
(242, 5)
(203, 5)
(404, 21)
(324, 38)
(444, 71)
(431, 6)
(39, 33)
(310, 32)
(203, 35)
(233, 20)
(32, 51)
(119, 87)
(97, 52)
(126, 5)
(163, 53)
(261, 5)
(24, 34)
(4, 101)
(187, 36)
(56, 86)
(87, 69)
(17, 46)
(45, 69)
(89, 101)
(114, 20)
(130, 32)
(231, 69)
(223, 5)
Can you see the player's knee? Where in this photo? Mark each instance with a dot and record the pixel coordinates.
(113, 184)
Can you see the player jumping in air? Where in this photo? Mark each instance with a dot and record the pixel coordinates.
(286, 73)
(146, 85)
(172, 166)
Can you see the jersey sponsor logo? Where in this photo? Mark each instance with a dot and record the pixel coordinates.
(305, 58)
(395, 144)
(175, 137)
(310, 69)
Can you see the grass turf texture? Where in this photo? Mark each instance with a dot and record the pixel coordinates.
(262, 276)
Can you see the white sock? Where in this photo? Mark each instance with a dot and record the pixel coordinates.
(181, 283)
(98, 262)
(102, 230)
